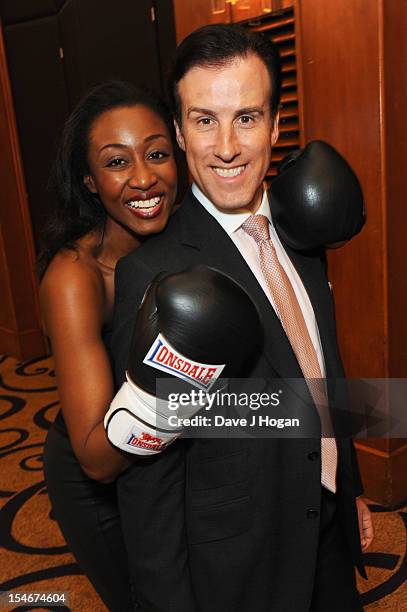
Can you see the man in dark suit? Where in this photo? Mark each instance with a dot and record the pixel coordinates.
(239, 525)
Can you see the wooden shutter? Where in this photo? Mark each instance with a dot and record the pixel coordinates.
(280, 26)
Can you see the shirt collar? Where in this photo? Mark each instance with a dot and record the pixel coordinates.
(230, 221)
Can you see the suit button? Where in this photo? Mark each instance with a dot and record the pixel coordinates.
(313, 456)
(312, 513)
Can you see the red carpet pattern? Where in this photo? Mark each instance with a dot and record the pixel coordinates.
(33, 554)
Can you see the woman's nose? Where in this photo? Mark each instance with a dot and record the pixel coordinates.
(142, 177)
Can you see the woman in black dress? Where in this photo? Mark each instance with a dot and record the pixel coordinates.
(116, 182)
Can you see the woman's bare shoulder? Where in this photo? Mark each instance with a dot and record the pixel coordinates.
(72, 278)
(72, 267)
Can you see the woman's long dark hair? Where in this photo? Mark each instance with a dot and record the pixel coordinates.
(78, 210)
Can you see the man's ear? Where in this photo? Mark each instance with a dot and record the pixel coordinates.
(275, 132)
(90, 183)
(180, 137)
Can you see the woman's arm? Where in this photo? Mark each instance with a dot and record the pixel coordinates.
(73, 305)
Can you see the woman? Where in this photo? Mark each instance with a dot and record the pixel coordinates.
(116, 183)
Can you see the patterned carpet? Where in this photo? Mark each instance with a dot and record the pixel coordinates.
(33, 554)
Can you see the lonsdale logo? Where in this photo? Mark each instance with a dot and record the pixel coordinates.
(146, 440)
(166, 358)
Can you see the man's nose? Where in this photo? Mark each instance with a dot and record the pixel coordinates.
(142, 176)
(227, 146)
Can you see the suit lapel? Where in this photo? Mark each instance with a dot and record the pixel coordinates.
(199, 230)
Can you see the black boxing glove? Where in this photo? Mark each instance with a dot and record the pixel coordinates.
(193, 326)
(316, 199)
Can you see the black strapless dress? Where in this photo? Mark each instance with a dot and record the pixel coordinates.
(88, 515)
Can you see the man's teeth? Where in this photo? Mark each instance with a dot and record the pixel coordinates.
(229, 171)
(144, 203)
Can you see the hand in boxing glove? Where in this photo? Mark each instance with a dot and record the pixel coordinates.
(316, 198)
(193, 326)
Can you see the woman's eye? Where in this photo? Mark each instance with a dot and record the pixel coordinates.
(116, 162)
(158, 155)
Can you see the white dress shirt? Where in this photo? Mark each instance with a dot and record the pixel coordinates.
(231, 223)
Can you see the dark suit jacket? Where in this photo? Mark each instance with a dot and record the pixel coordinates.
(224, 525)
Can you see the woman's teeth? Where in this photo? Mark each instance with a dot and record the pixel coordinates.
(144, 203)
(227, 172)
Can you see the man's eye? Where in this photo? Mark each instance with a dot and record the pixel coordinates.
(158, 155)
(205, 121)
(116, 162)
(246, 119)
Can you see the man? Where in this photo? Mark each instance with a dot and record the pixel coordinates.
(240, 525)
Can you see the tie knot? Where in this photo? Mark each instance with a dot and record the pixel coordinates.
(257, 226)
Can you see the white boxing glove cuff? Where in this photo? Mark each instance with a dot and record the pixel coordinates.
(133, 425)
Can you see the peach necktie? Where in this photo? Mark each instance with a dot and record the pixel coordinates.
(293, 322)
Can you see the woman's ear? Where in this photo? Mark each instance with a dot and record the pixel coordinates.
(90, 183)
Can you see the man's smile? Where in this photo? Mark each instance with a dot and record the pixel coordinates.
(229, 172)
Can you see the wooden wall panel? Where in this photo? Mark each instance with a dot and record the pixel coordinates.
(39, 115)
(249, 9)
(20, 327)
(395, 108)
(395, 145)
(384, 475)
(254, 9)
(336, 50)
(192, 15)
(359, 49)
